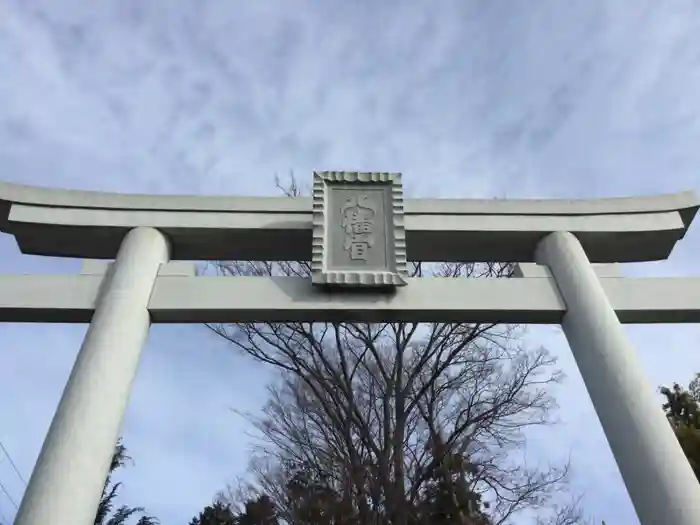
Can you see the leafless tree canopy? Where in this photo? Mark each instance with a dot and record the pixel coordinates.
(377, 411)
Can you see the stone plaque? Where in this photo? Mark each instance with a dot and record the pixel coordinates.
(359, 238)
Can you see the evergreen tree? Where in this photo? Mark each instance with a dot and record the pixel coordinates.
(258, 511)
(215, 514)
(107, 514)
(311, 499)
(682, 409)
(449, 497)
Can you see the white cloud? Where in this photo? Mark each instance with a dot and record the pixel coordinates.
(473, 99)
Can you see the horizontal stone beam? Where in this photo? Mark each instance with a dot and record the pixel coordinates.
(686, 202)
(174, 268)
(97, 234)
(92, 224)
(530, 270)
(180, 299)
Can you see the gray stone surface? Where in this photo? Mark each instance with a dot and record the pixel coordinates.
(176, 299)
(138, 289)
(173, 268)
(68, 478)
(92, 224)
(686, 201)
(530, 270)
(359, 238)
(658, 476)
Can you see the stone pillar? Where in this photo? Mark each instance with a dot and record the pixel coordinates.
(659, 480)
(68, 478)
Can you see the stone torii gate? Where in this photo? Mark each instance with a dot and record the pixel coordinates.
(358, 232)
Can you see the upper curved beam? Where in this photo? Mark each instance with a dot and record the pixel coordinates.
(686, 203)
(91, 224)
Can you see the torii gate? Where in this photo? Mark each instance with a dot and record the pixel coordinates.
(358, 232)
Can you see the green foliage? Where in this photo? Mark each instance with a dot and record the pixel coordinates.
(682, 408)
(107, 514)
(694, 387)
(215, 514)
(258, 511)
(310, 498)
(448, 497)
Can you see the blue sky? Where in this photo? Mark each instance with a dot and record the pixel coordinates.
(471, 99)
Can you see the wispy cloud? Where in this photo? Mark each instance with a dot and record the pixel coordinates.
(473, 99)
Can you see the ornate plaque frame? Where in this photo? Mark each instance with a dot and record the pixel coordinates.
(394, 271)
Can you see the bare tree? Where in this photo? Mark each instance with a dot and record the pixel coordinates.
(377, 410)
